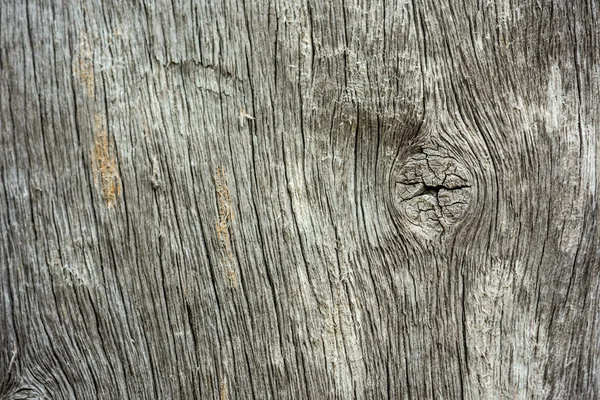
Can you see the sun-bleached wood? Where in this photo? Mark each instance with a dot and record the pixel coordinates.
(299, 199)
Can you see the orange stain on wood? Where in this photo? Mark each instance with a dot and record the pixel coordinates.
(226, 215)
(84, 66)
(106, 174)
(223, 389)
(232, 277)
(223, 226)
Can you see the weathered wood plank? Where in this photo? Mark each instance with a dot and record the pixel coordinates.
(344, 199)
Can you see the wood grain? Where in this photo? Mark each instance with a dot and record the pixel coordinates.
(299, 199)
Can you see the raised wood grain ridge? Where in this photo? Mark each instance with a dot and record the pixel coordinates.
(299, 199)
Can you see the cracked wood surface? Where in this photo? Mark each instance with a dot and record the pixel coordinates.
(299, 199)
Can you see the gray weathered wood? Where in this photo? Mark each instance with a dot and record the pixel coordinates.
(286, 200)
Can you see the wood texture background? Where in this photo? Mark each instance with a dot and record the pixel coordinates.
(323, 199)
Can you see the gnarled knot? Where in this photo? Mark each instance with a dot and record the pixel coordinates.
(431, 190)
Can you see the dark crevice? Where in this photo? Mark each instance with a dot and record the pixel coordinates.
(433, 190)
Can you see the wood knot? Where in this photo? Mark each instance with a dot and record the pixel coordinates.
(431, 190)
(25, 392)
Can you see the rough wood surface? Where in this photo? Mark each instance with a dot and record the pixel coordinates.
(322, 199)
